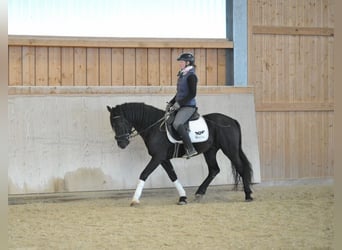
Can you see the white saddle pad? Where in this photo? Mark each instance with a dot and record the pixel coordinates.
(198, 132)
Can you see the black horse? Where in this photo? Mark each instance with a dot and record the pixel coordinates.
(148, 122)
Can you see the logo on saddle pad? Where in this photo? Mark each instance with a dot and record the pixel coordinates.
(198, 131)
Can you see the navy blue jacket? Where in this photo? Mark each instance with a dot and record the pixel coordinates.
(186, 89)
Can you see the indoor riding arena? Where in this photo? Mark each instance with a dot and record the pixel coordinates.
(70, 185)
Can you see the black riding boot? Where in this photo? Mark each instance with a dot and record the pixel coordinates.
(189, 148)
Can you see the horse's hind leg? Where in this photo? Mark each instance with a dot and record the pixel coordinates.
(245, 180)
(213, 168)
(243, 168)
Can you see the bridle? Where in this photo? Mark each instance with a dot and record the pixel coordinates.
(133, 133)
(125, 136)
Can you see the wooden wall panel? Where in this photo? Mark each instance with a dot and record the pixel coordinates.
(221, 67)
(142, 68)
(29, 67)
(54, 66)
(153, 63)
(68, 68)
(291, 66)
(15, 65)
(165, 67)
(105, 60)
(93, 72)
(211, 66)
(292, 69)
(117, 66)
(80, 74)
(295, 144)
(42, 64)
(201, 65)
(104, 66)
(129, 66)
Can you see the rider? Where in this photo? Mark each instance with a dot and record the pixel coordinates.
(184, 101)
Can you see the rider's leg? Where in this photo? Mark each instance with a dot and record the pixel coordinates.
(190, 150)
(182, 116)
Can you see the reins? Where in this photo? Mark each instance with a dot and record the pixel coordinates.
(163, 120)
(131, 135)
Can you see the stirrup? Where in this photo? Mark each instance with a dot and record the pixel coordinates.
(188, 154)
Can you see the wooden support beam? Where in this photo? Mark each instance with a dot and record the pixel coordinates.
(284, 30)
(99, 42)
(294, 107)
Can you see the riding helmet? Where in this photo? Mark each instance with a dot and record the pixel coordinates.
(188, 57)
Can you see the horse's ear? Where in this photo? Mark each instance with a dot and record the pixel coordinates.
(109, 108)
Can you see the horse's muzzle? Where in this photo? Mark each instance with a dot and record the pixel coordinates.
(122, 140)
(123, 144)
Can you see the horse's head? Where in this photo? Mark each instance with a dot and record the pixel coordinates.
(121, 127)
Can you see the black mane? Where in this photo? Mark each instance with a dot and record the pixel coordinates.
(140, 113)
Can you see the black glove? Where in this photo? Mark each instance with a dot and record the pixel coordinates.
(175, 107)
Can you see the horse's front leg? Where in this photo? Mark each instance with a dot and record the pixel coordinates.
(151, 166)
(173, 177)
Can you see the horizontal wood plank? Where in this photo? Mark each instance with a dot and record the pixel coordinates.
(107, 90)
(284, 30)
(293, 107)
(99, 42)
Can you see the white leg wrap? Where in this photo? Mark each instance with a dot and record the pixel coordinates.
(180, 188)
(138, 190)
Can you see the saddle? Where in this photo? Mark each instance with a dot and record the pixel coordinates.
(196, 127)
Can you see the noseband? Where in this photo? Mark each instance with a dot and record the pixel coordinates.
(125, 136)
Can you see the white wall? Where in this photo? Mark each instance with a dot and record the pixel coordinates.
(65, 143)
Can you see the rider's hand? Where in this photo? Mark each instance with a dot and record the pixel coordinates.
(175, 106)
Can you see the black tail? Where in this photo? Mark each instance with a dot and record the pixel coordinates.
(246, 165)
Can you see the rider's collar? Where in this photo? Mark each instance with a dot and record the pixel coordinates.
(185, 70)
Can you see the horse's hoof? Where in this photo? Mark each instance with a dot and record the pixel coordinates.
(198, 197)
(249, 199)
(182, 200)
(134, 203)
